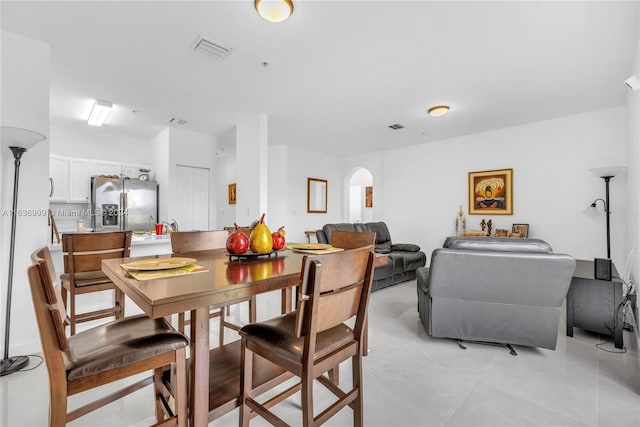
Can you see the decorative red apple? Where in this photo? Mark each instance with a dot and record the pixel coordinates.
(237, 242)
(278, 239)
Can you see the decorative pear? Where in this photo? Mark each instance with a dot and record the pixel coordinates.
(260, 240)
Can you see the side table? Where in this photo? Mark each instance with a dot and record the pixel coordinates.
(595, 305)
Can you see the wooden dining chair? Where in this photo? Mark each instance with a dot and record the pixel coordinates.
(83, 255)
(193, 241)
(350, 240)
(104, 354)
(314, 339)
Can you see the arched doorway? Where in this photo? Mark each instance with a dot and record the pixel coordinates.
(358, 208)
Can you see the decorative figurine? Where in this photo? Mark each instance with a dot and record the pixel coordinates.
(460, 223)
(489, 226)
(482, 224)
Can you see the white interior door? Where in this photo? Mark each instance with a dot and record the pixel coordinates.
(192, 212)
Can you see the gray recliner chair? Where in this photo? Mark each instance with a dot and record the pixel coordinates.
(494, 290)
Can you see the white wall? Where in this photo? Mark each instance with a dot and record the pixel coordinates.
(160, 161)
(251, 164)
(423, 185)
(300, 165)
(91, 142)
(633, 179)
(187, 148)
(25, 104)
(277, 191)
(225, 174)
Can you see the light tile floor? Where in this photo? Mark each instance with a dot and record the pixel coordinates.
(411, 379)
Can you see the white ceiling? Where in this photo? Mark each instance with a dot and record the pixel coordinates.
(339, 72)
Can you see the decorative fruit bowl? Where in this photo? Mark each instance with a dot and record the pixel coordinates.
(251, 255)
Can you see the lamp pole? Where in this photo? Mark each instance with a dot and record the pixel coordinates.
(18, 140)
(606, 186)
(12, 364)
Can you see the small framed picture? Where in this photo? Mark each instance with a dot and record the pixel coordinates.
(368, 197)
(502, 232)
(521, 229)
(232, 194)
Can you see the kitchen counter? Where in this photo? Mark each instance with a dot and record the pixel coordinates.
(136, 240)
(141, 245)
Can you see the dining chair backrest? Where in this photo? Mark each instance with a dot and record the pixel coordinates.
(193, 241)
(85, 251)
(50, 312)
(51, 284)
(352, 239)
(334, 288)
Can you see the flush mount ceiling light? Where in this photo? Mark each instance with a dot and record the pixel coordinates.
(274, 10)
(99, 112)
(438, 110)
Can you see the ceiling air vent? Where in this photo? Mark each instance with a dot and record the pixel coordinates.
(210, 48)
(396, 126)
(178, 122)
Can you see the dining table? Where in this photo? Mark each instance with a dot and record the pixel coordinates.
(218, 279)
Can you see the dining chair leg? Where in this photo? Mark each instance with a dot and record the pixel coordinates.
(119, 304)
(334, 375)
(157, 391)
(57, 407)
(181, 322)
(253, 317)
(246, 383)
(221, 327)
(181, 387)
(356, 405)
(307, 398)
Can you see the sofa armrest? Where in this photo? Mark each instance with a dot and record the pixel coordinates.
(321, 237)
(405, 247)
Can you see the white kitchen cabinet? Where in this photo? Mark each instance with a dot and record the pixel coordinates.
(70, 179)
(100, 167)
(79, 180)
(58, 178)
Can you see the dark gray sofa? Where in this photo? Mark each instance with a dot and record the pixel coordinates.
(497, 290)
(404, 258)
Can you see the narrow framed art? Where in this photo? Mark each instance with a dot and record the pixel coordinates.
(491, 192)
(232, 194)
(368, 197)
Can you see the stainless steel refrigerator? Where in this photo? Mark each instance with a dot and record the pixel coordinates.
(123, 204)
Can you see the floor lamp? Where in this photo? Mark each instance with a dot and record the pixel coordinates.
(606, 173)
(18, 140)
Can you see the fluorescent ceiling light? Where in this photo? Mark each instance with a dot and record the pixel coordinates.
(274, 10)
(438, 110)
(99, 112)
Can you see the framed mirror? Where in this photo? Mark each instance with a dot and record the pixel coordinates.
(316, 195)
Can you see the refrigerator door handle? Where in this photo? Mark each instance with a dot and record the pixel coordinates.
(123, 211)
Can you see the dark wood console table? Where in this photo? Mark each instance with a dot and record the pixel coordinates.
(595, 305)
